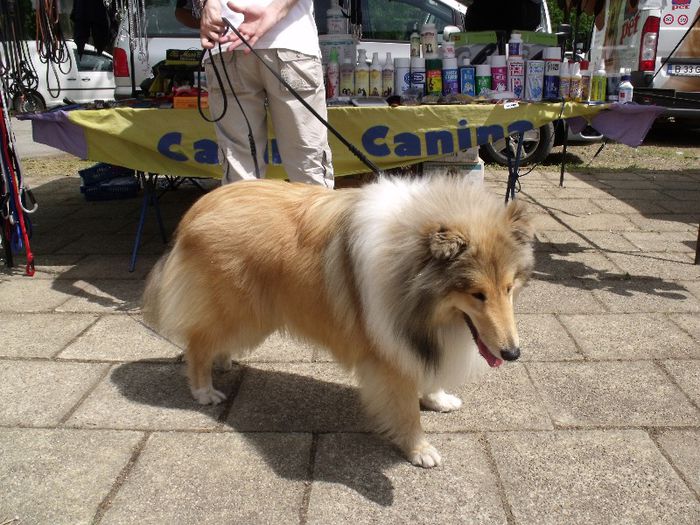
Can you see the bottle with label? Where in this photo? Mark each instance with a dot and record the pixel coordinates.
(402, 75)
(552, 63)
(515, 45)
(414, 40)
(336, 21)
(428, 39)
(447, 49)
(375, 76)
(347, 77)
(467, 78)
(534, 80)
(564, 80)
(598, 84)
(575, 80)
(433, 76)
(585, 81)
(516, 75)
(361, 74)
(388, 76)
(625, 91)
(418, 74)
(450, 76)
(333, 74)
(483, 80)
(613, 82)
(499, 73)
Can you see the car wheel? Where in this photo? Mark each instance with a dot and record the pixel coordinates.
(28, 102)
(537, 144)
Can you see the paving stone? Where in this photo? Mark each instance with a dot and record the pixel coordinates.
(105, 244)
(569, 206)
(120, 338)
(662, 242)
(687, 374)
(546, 297)
(635, 183)
(503, 400)
(59, 476)
(40, 393)
(609, 241)
(671, 266)
(281, 348)
(689, 322)
(39, 335)
(666, 223)
(632, 194)
(585, 192)
(52, 266)
(149, 396)
(596, 476)
(615, 394)
(554, 266)
(96, 266)
(361, 479)
(683, 447)
(25, 294)
(680, 206)
(543, 222)
(101, 295)
(647, 295)
(629, 207)
(685, 195)
(598, 221)
(215, 478)
(297, 397)
(543, 338)
(630, 336)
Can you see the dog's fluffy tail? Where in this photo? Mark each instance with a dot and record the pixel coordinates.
(151, 296)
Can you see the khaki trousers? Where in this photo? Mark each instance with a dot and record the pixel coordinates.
(301, 138)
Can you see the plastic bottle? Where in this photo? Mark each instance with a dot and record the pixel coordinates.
(483, 80)
(418, 74)
(375, 76)
(402, 75)
(575, 82)
(450, 76)
(447, 50)
(347, 77)
(467, 78)
(613, 82)
(515, 45)
(499, 73)
(585, 81)
(625, 91)
(361, 74)
(333, 74)
(428, 39)
(336, 22)
(388, 76)
(564, 80)
(552, 63)
(414, 40)
(433, 76)
(516, 75)
(534, 80)
(598, 84)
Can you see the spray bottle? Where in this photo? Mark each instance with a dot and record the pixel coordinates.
(552, 64)
(564, 80)
(333, 74)
(388, 76)
(375, 76)
(361, 74)
(575, 82)
(483, 80)
(467, 78)
(336, 22)
(347, 78)
(516, 72)
(585, 81)
(598, 81)
(625, 91)
(414, 40)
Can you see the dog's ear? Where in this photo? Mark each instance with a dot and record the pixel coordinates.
(446, 243)
(520, 221)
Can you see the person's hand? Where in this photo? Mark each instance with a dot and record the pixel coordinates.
(257, 21)
(211, 26)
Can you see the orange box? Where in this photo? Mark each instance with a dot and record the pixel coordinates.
(189, 102)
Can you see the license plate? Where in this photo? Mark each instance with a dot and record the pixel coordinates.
(686, 70)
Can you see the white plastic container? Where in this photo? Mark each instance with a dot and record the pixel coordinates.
(418, 73)
(388, 76)
(333, 75)
(336, 22)
(402, 75)
(450, 76)
(552, 65)
(483, 80)
(375, 76)
(585, 81)
(361, 74)
(499, 73)
(447, 49)
(625, 91)
(515, 45)
(414, 41)
(598, 84)
(347, 78)
(575, 82)
(428, 40)
(534, 80)
(516, 75)
(564, 80)
(346, 44)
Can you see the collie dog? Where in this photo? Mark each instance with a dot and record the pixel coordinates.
(409, 283)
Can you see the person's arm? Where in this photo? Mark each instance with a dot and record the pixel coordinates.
(257, 21)
(211, 26)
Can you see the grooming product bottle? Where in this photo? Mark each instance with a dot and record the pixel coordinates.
(361, 74)
(402, 75)
(415, 41)
(433, 76)
(336, 22)
(564, 80)
(552, 64)
(534, 80)
(418, 74)
(447, 49)
(625, 91)
(613, 83)
(347, 77)
(499, 73)
(467, 78)
(585, 80)
(516, 73)
(388, 76)
(428, 40)
(483, 80)
(375, 76)
(450, 76)
(515, 45)
(598, 84)
(333, 75)
(575, 79)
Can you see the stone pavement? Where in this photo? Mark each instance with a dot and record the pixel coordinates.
(598, 423)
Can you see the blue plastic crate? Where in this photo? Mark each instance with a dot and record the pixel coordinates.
(113, 189)
(102, 172)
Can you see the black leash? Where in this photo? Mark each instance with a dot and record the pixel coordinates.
(296, 95)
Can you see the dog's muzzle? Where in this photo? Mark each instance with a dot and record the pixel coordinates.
(510, 355)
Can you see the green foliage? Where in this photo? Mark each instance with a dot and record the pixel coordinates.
(557, 16)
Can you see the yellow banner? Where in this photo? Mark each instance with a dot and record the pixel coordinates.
(180, 142)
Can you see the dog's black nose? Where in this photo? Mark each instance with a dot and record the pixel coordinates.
(510, 355)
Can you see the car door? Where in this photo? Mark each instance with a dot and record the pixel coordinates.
(91, 77)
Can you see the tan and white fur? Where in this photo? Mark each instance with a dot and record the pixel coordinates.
(399, 280)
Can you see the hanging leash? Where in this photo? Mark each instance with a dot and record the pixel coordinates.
(373, 167)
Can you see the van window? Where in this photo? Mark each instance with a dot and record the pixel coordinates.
(162, 21)
(92, 61)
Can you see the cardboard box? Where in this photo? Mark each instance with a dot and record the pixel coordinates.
(189, 102)
(183, 57)
(473, 171)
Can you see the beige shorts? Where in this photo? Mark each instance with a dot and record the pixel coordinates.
(302, 140)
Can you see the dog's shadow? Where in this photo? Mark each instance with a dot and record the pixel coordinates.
(263, 401)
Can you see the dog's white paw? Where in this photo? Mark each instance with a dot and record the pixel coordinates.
(441, 401)
(224, 363)
(208, 395)
(425, 455)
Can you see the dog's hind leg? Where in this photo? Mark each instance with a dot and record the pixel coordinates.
(391, 400)
(201, 351)
(440, 401)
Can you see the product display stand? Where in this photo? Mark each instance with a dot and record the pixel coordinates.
(150, 198)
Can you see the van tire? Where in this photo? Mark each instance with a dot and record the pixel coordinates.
(537, 145)
(28, 103)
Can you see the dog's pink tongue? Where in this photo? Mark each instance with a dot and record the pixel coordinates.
(492, 360)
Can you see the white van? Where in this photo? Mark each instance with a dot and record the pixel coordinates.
(82, 79)
(659, 41)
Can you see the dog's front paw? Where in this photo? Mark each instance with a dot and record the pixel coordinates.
(441, 401)
(208, 395)
(425, 455)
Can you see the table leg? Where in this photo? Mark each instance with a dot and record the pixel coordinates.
(563, 156)
(513, 166)
(150, 197)
(697, 248)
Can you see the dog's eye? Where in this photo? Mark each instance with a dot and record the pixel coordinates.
(480, 296)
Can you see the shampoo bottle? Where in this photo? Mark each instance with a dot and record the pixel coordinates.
(388, 76)
(347, 78)
(336, 22)
(333, 74)
(564, 80)
(415, 42)
(375, 76)
(361, 74)
(467, 78)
